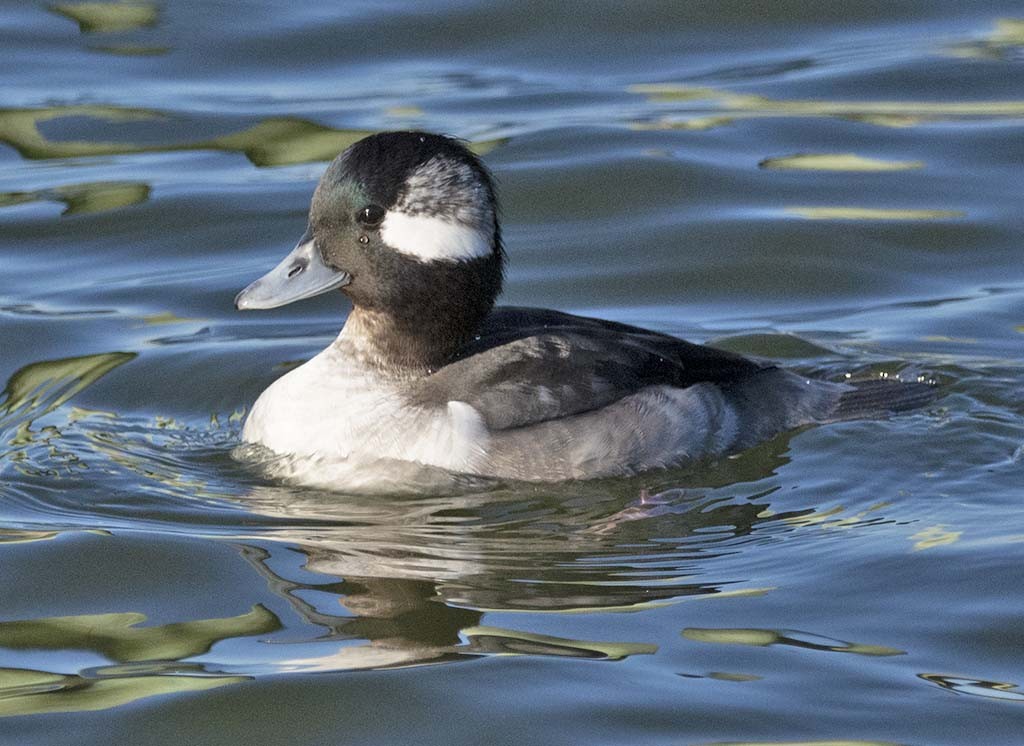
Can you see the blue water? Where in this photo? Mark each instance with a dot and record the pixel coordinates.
(836, 186)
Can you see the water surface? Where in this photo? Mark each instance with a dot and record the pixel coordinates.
(832, 185)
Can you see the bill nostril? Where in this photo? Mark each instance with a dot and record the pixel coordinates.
(296, 269)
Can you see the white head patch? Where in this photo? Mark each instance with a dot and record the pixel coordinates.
(431, 237)
(444, 212)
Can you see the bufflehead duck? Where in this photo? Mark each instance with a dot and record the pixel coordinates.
(426, 370)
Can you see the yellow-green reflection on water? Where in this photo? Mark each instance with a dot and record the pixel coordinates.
(832, 518)
(26, 536)
(513, 642)
(101, 195)
(736, 677)
(10, 199)
(837, 162)
(871, 213)
(117, 638)
(41, 387)
(29, 692)
(977, 687)
(95, 196)
(19, 128)
(404, 112)
(271, 142)
(728, 107)
(18, 536)
(935, 536)
(738, 593)
(164, 318)
(284, 140)
(93, 18)
(274, 141)
(1006, 35)
(794, 638)
(52, 448)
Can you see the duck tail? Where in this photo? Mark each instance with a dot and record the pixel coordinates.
(881, 397)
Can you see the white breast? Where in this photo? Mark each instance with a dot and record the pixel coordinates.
(332, 409)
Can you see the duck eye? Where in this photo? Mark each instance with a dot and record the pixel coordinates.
(370, 215)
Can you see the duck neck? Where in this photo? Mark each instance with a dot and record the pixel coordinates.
(416, 326)
(407, 347)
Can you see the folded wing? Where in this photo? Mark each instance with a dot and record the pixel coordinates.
(529, 366)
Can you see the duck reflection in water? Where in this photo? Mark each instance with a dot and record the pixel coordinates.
(403, 581)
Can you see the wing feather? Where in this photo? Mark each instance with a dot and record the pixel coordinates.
(533, 365)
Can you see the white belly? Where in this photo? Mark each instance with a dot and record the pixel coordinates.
(332, 410)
